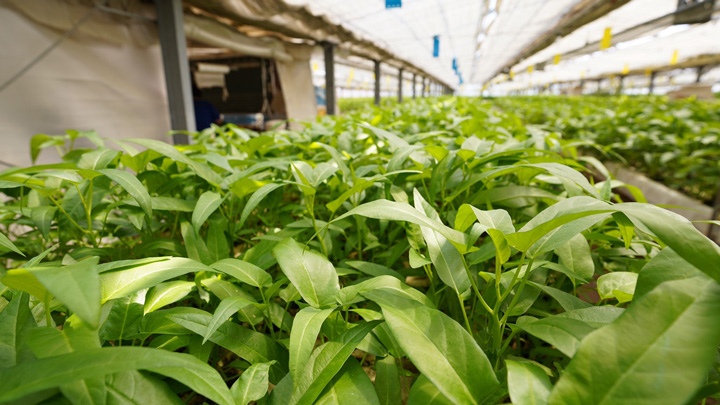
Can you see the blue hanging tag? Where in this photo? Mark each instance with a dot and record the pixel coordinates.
(393, 3)
(436, 46)
(454, 65)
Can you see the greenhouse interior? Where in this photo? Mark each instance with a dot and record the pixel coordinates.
(360, 202)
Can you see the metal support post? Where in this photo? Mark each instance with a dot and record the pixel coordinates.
(329, 50)
(414, 85)
(400, 84)
(652, 82)
(700, 71)
(177, 68)
(377, 82)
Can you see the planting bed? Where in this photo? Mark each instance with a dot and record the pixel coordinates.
(674, 142)
(434, 252)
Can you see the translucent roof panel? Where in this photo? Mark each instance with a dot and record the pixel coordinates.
(630, 15)
(517, 25)
(408, 31)
(674, 44)
(481, 36)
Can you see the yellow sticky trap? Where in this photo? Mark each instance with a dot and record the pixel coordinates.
(531, 68)
(556, 59)
(315, 66)
(582, 74)
(512, 74)
(606, 40)
(674, 57)
(648, 72)
(626, 69)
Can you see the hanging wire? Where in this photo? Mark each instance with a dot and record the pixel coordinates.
(50, 48)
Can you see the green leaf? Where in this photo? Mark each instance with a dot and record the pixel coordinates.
(569, 302)
(311, 273)
(166, 293)
(42, 217)
(439, 347)
(620, 285)
(195, 246)
(119, 283)
(502, 249)
(227, 308)
(664, 266)
(692, 246)
(97, 159)
(304, 334)
(373, 269)
(351, 294)
(133, 186)
(351, 386)
(565, 331)
(217, 241)
(33, 376)
(22, 279)
(5, 242)
(251, 314)
(246, 272)
(252, 346)
(75, 336)
(387, 381)
(444, 256)
(656, 352)
(134, 387)
(77, 286)
(558, 223)
(492, 219)
(528, 384)
(395, 211)
(206, 205)
(575, 255)
(170, 151)
(416, 259)
(325, 362)
(423, 392)
(252, 384)
(15, 322)
(626, 228)
(255, 199)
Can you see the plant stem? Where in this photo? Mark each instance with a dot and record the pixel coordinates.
(462, 307)
(475, 288)
(518, 292)
(359, 237)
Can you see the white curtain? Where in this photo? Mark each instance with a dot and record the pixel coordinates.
(296, 83)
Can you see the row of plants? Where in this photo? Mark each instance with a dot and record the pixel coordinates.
(676, 142)
(439, 252)
(354, 105)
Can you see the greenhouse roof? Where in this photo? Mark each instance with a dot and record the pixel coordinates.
(659, 49)
(475, 39)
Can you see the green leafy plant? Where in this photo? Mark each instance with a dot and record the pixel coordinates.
(439, 251)
(674, 142)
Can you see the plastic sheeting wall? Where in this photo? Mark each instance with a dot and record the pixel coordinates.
(83, 84)
(296, 84)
